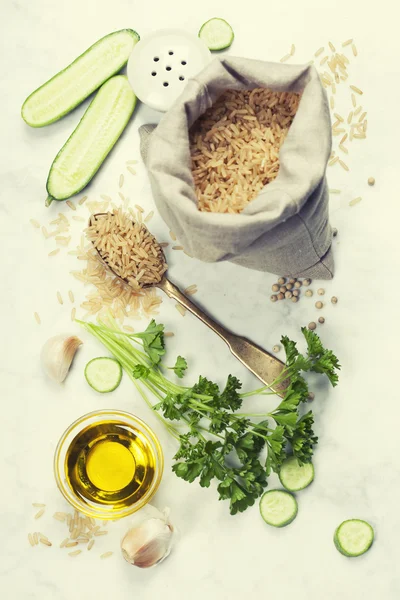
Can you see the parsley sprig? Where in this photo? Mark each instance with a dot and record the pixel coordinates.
(217, 441)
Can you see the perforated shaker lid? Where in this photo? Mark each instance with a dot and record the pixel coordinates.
(162, 62)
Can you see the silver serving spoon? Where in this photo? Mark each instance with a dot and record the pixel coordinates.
(260, 362)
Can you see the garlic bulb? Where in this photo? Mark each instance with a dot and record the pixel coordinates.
(147, 544)
(57, 355)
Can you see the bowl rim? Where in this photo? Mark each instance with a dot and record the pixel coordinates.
(125, 417)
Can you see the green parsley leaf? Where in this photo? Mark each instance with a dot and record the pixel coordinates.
(140, 372)
(180, 367)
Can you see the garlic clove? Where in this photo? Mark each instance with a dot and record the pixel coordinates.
(148, 544)
(57, 355)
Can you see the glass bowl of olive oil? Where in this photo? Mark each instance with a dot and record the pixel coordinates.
(108, 464)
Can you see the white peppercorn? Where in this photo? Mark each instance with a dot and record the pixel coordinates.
(311, 396)
(371, 180)
(280, 296)
(312, 326)
(275, 287)
(288, 294)
(276, 348)
(297, 284)
(292, 280)
(289, 286)
(319, 304)
(334, 232)
(321, 320)
(281, 280)
(296, 292)
(309, 293)
(295, 299)
(306, 282)
(334, 300)
(274, 298)
(321, 292)
(283, 289)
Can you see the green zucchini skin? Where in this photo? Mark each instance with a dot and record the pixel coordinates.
(87, 147)
(36, 111)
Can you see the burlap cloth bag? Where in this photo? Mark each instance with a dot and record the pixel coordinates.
(285, 229)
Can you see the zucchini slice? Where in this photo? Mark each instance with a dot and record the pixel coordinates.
(75, 83)
(103, 374)
(96, 134)
(353, 537)
(278, 508)
(295, 477)
(217, 34)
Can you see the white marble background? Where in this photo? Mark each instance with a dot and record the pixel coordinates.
(357, 461)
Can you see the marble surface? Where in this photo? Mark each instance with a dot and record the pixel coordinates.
(356, 463)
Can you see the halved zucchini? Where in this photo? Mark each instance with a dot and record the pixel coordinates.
(75, 83)
(96, 134)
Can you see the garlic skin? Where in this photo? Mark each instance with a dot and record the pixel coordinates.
(57, 355)
(149, 543)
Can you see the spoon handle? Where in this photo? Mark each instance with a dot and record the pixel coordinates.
(262, 364)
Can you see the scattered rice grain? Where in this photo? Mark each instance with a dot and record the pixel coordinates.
(35, 223)
(75, 553)
(71, 205)
(54, 252)
(38, 505)
(292, 49)
(81, 219)
(343, 165)
(39, 513)
(169, 334)
(333, 191)
(192, 289)
(131, 170)
(59, 298)
(59, 517)
(285, 58)
(323, 61)
(319, 51)
(180, 309)
(30, 539)
(173, 236)
(177, 247)
(355, 52)
(106, 554)
(45, 542)
(355, 201)
(71, 296)
(347, 43)
(35, 538)
(73, 314)
(90, 544)
(37, 318)
(121, 180)
(332, 47)
(82, 200)
(356, 90)
(149, 216)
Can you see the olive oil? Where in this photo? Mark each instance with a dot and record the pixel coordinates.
(110, 463)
